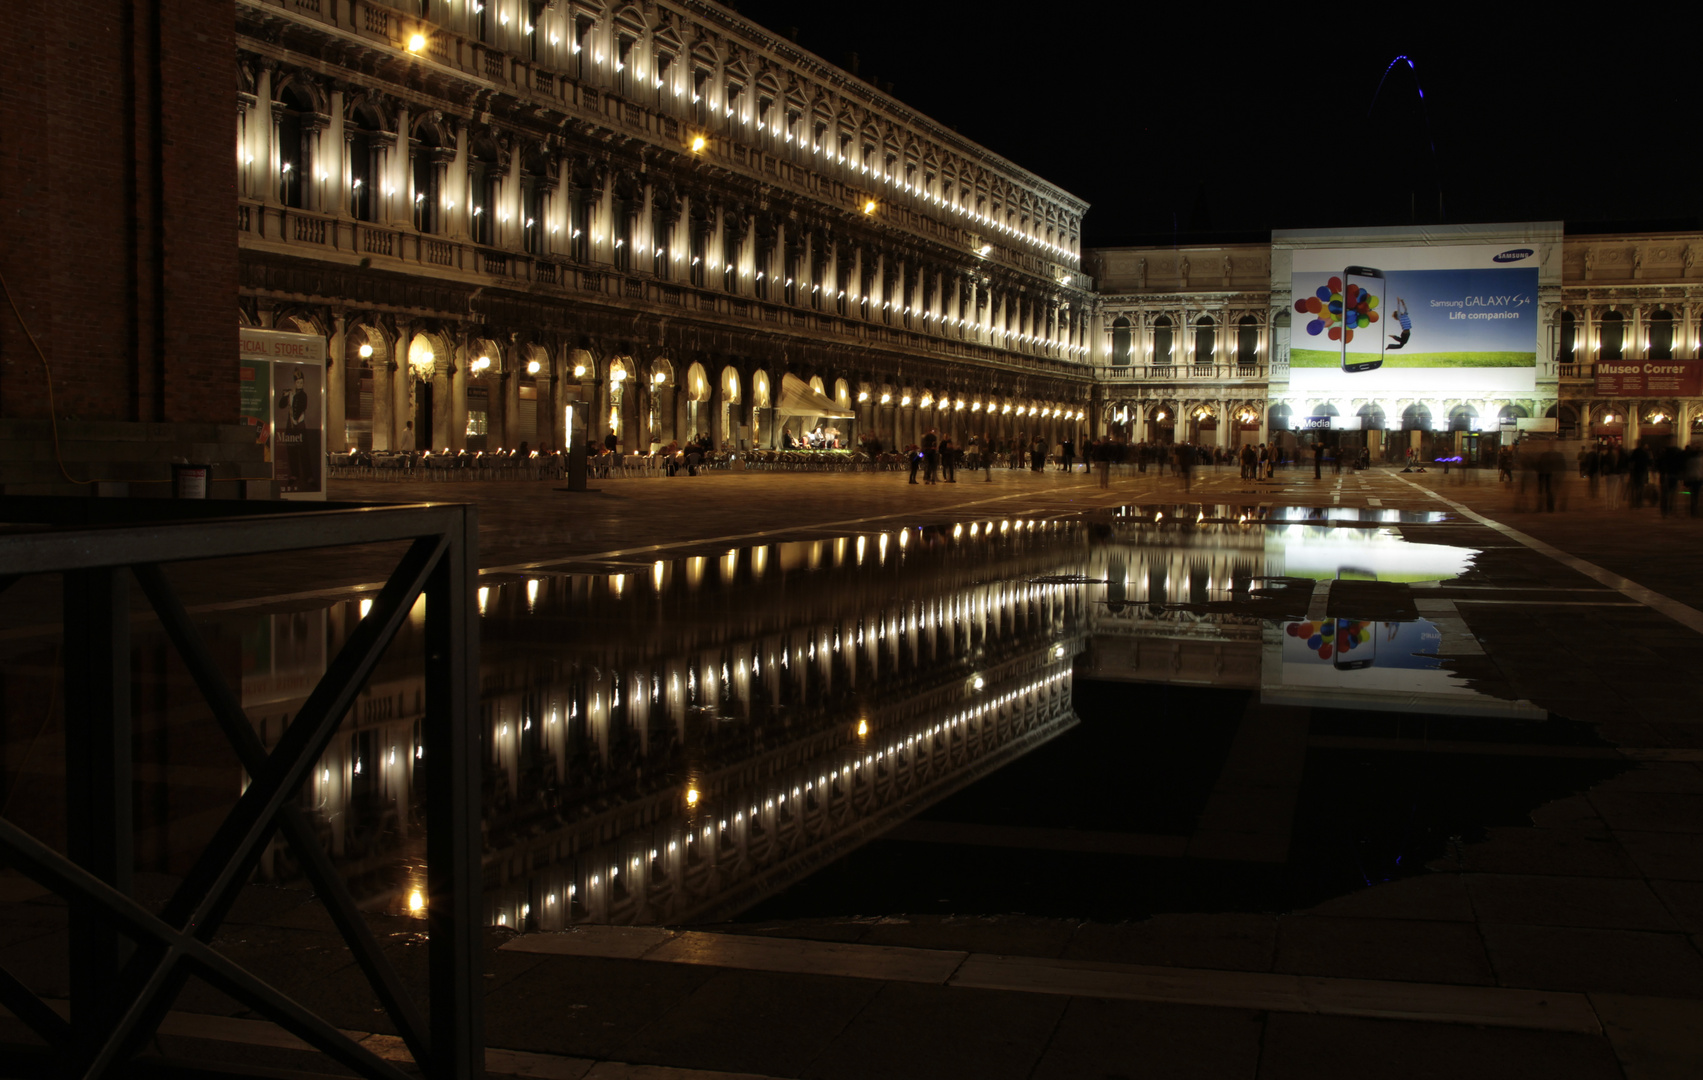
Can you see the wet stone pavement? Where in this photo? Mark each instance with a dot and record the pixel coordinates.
(818, 776)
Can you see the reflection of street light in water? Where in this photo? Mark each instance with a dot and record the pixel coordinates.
(416, 902)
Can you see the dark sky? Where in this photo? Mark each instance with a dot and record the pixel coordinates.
(1187, 120)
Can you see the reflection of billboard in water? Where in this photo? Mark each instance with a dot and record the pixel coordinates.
(1421, 320)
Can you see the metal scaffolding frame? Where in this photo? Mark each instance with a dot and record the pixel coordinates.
(119, 995)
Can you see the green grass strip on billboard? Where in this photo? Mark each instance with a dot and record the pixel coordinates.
(1330, 358)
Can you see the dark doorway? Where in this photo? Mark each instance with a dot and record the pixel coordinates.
(423, 415)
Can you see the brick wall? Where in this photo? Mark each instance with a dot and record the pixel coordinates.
(117, 177)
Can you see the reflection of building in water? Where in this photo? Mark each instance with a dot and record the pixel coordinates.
(677, 742)
(1144, 633)
(626, 713)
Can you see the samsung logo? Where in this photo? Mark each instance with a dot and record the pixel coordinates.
(1514, 255)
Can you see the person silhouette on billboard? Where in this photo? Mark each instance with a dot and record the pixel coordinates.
(1398, 340)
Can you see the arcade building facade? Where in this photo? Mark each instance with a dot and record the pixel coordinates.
(654, 214)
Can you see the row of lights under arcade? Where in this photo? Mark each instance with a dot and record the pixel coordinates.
(695, 804)
(729, 562)
(958, 405)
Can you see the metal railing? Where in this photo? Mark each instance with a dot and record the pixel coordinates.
(119, 996)
(1180, 372)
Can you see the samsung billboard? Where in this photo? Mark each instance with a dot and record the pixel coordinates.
(1424, 313)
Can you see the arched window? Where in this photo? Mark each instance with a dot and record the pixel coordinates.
(482, 177)
(1661, 335)
(1569, 353)
(426, 193)
(1120, 343)
(294, 117)
(1462, 418)
(1613, 337)
(534, 184)
(1416, 418)
(362, 132)
(1247, 340)
(1162, 340)
(1205, 339)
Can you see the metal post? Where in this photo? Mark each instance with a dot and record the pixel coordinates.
(98, 826)
(454, 759)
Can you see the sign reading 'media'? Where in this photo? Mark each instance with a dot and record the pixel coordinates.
(1630, 378)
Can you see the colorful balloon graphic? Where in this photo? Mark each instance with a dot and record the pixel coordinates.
(1337, 311)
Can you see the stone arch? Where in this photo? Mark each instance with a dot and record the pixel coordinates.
(307, 91)
(424, 421)
(697, 383)
(299, 321)
(369, 110)
(696, 393)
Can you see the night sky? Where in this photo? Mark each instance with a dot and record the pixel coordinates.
(1185, 122)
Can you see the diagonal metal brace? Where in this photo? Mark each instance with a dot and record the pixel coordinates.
(34, 1012)
(208, 890)
(292, 821)
(49, 868)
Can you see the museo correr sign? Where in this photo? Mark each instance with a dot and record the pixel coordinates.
(1634, 378)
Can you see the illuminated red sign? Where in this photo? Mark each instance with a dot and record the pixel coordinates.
(1658, 378)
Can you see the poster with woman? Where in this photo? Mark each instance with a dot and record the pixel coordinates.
(298, 454)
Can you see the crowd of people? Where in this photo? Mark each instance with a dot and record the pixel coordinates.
(1651, 473)
(938, 458)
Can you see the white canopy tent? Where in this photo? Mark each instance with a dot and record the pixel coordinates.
(798, 398)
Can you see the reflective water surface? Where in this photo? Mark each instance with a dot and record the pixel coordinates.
(677, 741)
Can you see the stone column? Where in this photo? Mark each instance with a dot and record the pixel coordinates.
(384, 402)
(457, 404)
(263, 170)
(336, 382)
(403, 436)
(514, 362)
(443, 391)
(549, 414)
(497, 410)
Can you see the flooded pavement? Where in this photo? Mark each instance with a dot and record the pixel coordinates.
(1211, 839)
(1091, 715)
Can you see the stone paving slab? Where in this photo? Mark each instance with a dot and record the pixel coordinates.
(1439, 993)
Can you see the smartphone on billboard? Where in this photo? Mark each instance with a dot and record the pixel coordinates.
(1356, 644)
(1362, 337)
